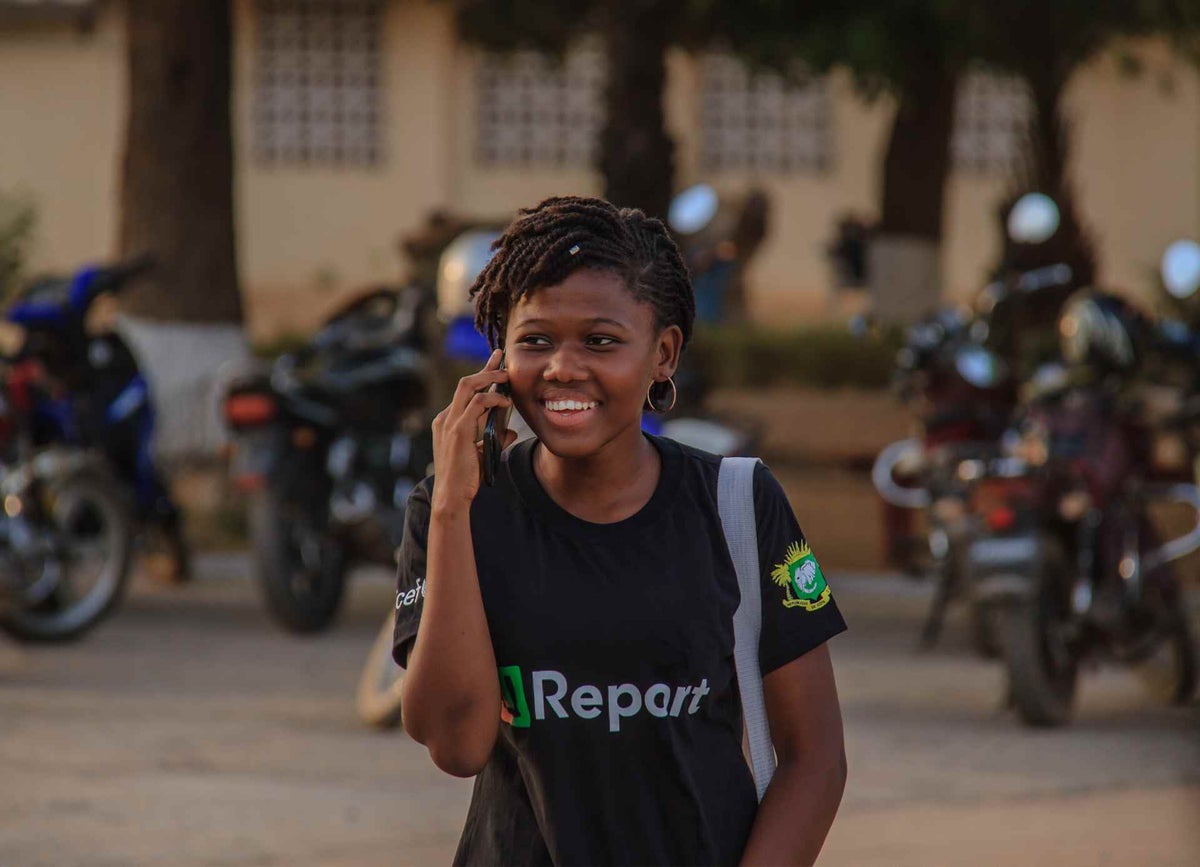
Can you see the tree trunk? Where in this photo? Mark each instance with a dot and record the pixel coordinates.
(904, 266)
(177, 182)
(1050, 139)
(918, 158)
(185, 320)
(637, 157)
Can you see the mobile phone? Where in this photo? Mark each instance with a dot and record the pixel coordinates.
(493, 432)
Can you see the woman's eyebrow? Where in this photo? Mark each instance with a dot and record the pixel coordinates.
(597, 320)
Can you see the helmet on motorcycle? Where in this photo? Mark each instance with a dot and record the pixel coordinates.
(1100, 330)
(459, 266)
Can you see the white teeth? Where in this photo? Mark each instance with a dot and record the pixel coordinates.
(569, 405)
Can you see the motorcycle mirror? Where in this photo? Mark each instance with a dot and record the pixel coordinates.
(459, 265)
(978, 366)
(693, 209)
(1181, 268)
(1033, 219)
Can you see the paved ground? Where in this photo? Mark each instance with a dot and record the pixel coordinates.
(188, 731)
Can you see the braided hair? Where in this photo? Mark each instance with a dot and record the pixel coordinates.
(549, 241)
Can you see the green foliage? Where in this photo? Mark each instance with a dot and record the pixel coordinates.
(820, 356)
(17, 221)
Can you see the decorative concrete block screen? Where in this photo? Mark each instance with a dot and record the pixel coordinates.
(532, 111)
(763, 121)
(991, 120)
(317, 82)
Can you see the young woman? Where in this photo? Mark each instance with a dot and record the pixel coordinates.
(567, 632)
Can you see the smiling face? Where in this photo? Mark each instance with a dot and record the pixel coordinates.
(580, 356)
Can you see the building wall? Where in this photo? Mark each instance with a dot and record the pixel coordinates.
(309, 235)
(62, 114)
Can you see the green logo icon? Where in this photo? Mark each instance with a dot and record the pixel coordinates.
(800, 576)
(512, 695)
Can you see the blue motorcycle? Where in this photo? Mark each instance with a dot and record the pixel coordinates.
(83, 398)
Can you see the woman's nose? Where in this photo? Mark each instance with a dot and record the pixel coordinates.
(564, 366)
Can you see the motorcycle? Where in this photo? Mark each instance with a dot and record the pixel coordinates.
(328, 444)
(95, 396)
(963, 388)
(77, 472)
(1072, 565)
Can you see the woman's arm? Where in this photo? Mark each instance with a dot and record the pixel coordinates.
(806, 728)
(451, 694)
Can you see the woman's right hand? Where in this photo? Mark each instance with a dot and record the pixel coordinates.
(456, 433)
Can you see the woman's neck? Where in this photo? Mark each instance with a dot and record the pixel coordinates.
(606, 487)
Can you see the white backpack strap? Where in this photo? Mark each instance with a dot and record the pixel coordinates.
(735, 503)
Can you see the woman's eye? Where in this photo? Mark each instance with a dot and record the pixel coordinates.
(534, 340)
(601, 340)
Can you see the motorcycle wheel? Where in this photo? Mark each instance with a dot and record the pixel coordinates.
(95, 531)
(378, 698)
(1043, 668)
(301, 569)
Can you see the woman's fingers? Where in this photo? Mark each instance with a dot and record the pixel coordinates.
(472, 417)
(477, 382)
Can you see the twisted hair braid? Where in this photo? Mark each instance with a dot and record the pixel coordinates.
(549, 241)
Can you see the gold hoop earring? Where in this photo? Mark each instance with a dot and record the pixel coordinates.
(650, 396)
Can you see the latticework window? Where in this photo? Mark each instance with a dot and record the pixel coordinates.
(534, 111)
(317, 86)
(991, 119)
(763, 121)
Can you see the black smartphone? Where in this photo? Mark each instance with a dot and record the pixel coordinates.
(493, 433)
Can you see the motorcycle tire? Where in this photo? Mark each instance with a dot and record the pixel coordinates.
(300, 600)
(378, 698)
(1042, 670)
(86, 508)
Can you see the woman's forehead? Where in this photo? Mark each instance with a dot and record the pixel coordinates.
(585, 295)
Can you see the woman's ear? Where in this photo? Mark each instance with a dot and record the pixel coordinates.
(670, 347)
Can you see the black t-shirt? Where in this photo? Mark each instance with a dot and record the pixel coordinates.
(622, 733)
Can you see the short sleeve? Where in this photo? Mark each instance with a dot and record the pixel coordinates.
(410, 571)
(798, 610)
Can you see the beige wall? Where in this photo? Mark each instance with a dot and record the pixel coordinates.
(62, 110)
(308, 236)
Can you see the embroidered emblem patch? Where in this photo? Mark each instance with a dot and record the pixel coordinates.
(800, 576)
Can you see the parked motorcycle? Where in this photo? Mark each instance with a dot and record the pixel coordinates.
(93, 395)
(329, 442)
(77, 473)
(963, 388)
(1072, 564)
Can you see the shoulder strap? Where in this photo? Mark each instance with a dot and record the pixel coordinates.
(735, 503)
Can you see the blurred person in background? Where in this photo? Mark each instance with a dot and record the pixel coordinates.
(594, 578)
